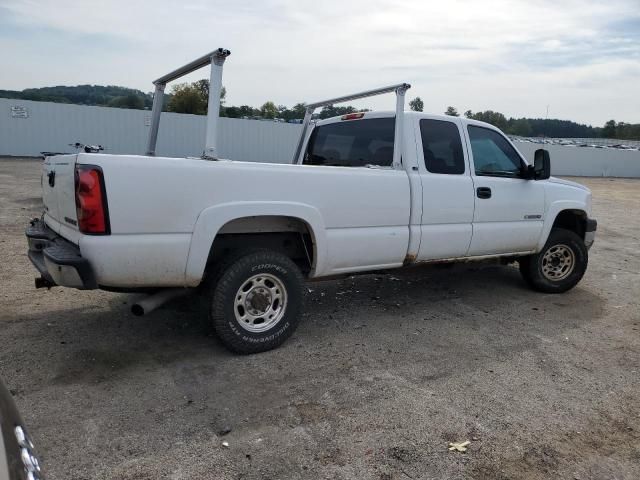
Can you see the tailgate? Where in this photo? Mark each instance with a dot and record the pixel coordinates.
(58, 191)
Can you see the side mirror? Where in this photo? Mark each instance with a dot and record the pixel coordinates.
(541, 164)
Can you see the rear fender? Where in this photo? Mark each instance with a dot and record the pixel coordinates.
(212, 219)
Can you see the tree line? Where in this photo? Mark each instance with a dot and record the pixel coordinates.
(543, 127)
(193, 98)
(106, 96)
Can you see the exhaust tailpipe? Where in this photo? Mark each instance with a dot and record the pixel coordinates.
(42, 282)
(149, 303)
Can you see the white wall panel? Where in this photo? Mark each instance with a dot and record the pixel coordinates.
(52, 126)
(587, 162)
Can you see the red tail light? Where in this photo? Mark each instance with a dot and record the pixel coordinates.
(91, 201)
(352, 116)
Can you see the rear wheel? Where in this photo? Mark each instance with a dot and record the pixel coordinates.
(256, 301)
(559, 266)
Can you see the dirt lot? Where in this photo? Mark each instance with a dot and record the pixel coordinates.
(383, 372)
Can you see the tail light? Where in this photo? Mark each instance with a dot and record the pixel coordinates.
(352, 116)
(91, 201)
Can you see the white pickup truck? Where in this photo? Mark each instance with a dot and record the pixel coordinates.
(367, 191)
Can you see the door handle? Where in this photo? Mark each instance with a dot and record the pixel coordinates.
(483, 192)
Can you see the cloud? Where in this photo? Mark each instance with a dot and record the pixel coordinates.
(499, 54)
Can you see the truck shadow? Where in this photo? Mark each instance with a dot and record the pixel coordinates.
(363, 341)
(419, 310)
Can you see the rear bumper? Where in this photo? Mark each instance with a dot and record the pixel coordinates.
(590, 232)
(58, 261)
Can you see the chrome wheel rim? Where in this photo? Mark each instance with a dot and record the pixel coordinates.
(260, 302)
(558, 262)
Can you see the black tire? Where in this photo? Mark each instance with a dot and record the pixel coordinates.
(263, 272)
(543, 275)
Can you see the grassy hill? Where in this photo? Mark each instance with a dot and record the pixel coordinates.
(107, 96)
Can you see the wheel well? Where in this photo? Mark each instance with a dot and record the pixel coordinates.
(574, 220)
(287, 235)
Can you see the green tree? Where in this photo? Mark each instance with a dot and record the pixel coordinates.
(269, 110)
(417, 105)
(628, 131)
(203, 87)
(193, 98)
(496, 119)
(299, 110)
(247, 111)
(232, 112)
(294, 113)
(609, 130)
(127, 101)
(452, 112)
(520, 127)
(188, 98)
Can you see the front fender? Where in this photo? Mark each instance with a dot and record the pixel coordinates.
(552, 213)
(212, 219)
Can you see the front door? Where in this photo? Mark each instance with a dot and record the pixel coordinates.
(509, 209)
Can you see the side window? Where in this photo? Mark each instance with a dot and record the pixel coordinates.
(492, 154)
(354, 143)
(442, 147)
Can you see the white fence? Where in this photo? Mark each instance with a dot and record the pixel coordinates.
(27, 128)
(587, 162)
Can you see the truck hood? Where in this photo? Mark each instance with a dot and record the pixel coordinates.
(569, 183)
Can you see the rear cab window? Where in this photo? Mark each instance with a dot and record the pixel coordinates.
(352, 143)
(493, 155)
(442, 147)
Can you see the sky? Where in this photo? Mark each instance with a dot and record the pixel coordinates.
(581, 59)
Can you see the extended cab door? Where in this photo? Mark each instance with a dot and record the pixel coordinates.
(365, 202)
(509, 209)
(447, 190)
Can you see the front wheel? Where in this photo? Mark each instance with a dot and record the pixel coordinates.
(559, 266)
(257, 301)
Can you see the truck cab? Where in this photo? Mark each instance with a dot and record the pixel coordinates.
(472, 192)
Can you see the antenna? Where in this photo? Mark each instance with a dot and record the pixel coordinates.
(544, 130)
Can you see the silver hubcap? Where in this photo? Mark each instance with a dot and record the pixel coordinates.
(558, 262)
(260, 302)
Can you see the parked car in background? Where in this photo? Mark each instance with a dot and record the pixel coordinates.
(18, 460)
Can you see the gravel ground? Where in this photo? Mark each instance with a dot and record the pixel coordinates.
(382, 373)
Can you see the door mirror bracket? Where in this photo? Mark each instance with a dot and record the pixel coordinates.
(529, 172)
